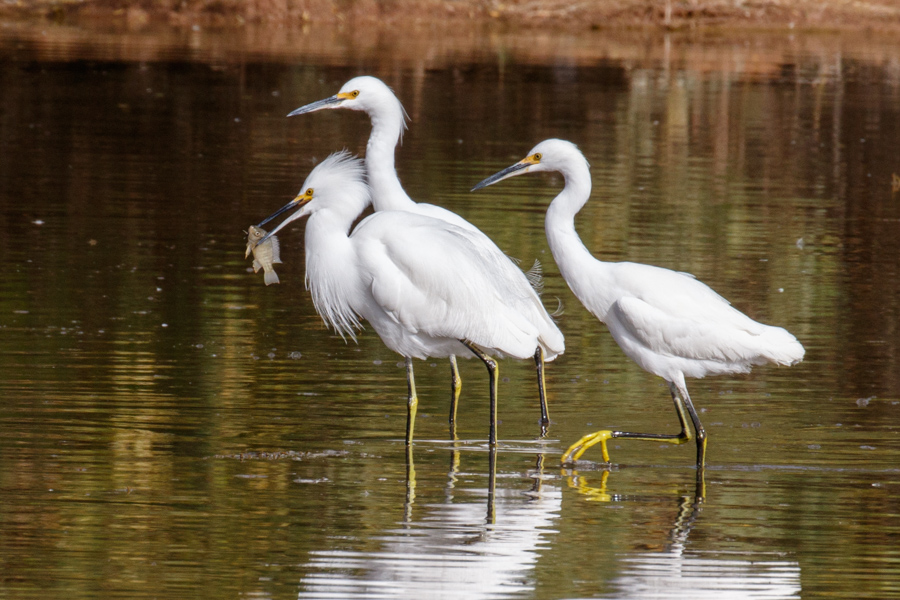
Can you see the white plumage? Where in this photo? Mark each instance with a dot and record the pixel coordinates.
(669, 323)
(422, 283)
(372, 96)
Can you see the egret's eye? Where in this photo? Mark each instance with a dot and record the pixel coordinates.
(536, 157)
(308, 193)
(354, 93)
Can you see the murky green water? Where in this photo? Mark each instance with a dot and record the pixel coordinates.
(170, 427)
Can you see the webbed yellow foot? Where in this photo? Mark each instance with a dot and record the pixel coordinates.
(578, 448)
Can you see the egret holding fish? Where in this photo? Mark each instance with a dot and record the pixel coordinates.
(371, 95)
(421, 283)
(669, 323)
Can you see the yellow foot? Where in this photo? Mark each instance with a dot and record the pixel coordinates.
(577, 449)
(594, 494)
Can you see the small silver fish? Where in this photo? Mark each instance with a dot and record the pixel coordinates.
(264, 255)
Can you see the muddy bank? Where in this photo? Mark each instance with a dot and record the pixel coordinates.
(826, 15)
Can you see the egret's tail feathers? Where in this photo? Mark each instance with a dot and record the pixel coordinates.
(550, 353)
(782, 347)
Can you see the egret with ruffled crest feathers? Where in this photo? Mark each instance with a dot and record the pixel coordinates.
(669, 323)
(421, 283)
(372, 96)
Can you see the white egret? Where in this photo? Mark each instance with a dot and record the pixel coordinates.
(667, 322)
(421, 283)
(372, 96)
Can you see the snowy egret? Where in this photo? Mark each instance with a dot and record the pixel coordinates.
(422, 284)
(375, 98)
(667, 322)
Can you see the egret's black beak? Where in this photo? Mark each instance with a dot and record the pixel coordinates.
(511, 171)
(331, 102)
(297, 202)
(292, 204)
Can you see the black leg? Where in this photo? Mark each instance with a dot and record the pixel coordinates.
(545, 414)
(412, 402)
(455, 389)
(494, 372)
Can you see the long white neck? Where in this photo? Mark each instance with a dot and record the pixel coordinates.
(387, 127)
(326, 230)
(584, 274)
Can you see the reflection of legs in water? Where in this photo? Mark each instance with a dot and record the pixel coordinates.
(410, 485)
(454, 467)
(683, 405)
(600, 494)
(688, 511)
(539, 473)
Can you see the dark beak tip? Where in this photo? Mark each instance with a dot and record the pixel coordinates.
(318, 105)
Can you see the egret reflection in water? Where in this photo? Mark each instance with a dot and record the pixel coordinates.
(678, 571)
(447, 549)
(450, 549)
